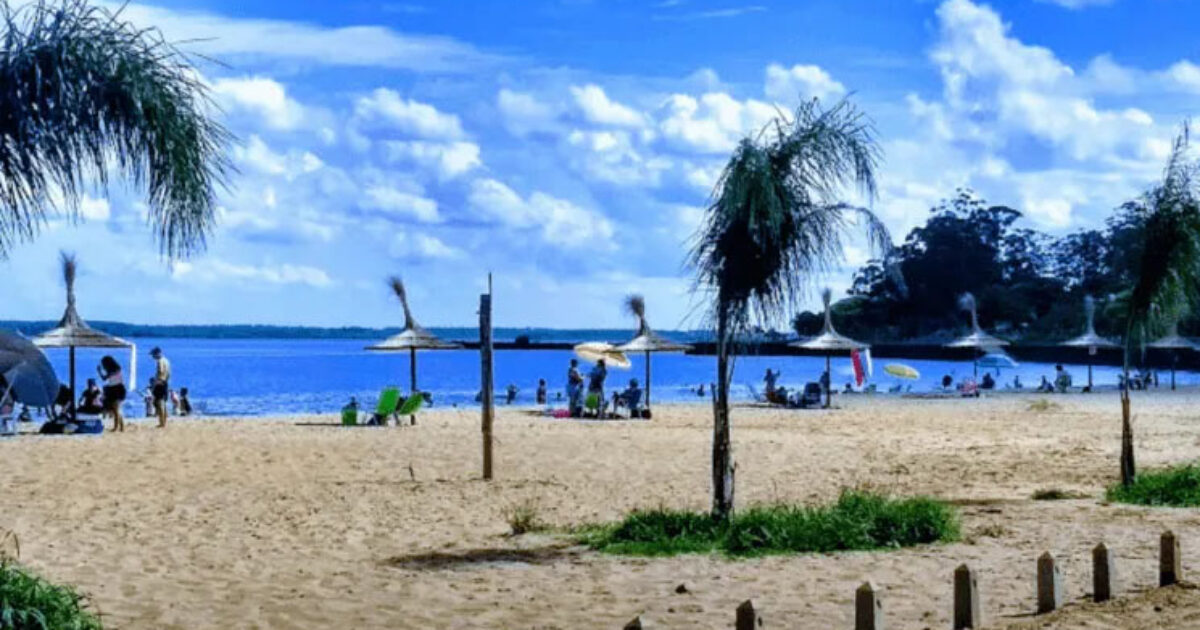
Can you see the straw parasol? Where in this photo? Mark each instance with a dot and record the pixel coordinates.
(72, 332)
(646, 340)
(829, 341)
(977, 338)
(1173, 341)
(1089, 339)
(412, 338)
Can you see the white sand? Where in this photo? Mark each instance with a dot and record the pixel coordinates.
(264, 524)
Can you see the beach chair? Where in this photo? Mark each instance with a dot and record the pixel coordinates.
(811, 396)
(411, 406)
(594, 403)
(633, 403)
(969, 388)
(389, 399)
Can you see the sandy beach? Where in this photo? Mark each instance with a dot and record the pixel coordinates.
(264, 524)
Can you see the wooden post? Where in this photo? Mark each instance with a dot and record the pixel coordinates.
(486, 382)
(647, 405)
(748, 617)
(74, 398)
(1170, 564)
(412, 378)
(829, 383)
(966, 599)
(1104, 574)
(868, 610)
(1049, 585)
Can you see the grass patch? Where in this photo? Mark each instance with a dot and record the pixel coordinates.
(524, 518)
(1043, 405)
(28, 602)
(1175, 486)
(1056, 494)
(857, 521)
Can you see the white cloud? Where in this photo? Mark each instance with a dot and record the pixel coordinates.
(611, 157)
(786, 85)
(713, 124)
(597, 108)
(92, 209)
(401, 203)
(522, 113)
(256, 156)
(558, 221)
(218, 35)
(261, 96)
(215, 270)
(1079, 4)
(1185, 75)
(387, 108)
(422, 247)
(448, 160)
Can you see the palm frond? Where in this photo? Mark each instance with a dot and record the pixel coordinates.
(397, 286)
(85, 94)
(776, 220)
(966, 302)
(1167, 274)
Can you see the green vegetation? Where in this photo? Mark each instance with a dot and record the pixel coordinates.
(1175, 486)
(857, 521)
(28, 602)
(524, 518)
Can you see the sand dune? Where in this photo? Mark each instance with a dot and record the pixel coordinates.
(264, 524)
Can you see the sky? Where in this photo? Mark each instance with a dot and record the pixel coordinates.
(570, 146)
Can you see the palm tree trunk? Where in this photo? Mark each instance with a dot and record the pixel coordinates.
(722, 455)
(1128, 470)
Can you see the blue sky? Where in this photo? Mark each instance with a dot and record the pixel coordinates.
(569, 146)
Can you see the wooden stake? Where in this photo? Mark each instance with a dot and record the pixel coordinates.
(486, 382)
(748, 617)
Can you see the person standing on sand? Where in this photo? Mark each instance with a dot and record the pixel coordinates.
(596, 385)
(574, 389)
(541, 391)
(114, 390)
(162, 385)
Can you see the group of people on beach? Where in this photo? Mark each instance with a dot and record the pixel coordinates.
(106, 395)
(581, 391)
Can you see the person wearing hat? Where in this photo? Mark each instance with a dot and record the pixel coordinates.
(162, 385)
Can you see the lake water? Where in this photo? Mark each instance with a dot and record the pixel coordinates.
(272, 376)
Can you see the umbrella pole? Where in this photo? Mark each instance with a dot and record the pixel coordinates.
(647, 379)
(412, 376)
(828, 383)
(1089, 374)
(74, 411)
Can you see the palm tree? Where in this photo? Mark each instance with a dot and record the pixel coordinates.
(1167, 274)
(776, 221)
(85, 95)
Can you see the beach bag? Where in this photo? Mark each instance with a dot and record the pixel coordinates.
(53, 427)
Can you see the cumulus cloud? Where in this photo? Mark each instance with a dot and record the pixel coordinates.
(558, 221)
(256, 156)
(388, 109)
(714, 123)
(447, 159)
(261, 96)
(598, 108)
(523, 113)
(786, 85)
(417, 247)
(401, 204)
(93, 209)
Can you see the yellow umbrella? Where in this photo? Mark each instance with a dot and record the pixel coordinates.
(899, 370)
(594, 351)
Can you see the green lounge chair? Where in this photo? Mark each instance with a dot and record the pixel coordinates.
(388, 401)
(411, 405)
(593, 404)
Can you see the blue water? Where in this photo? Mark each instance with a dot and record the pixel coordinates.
(272, 376)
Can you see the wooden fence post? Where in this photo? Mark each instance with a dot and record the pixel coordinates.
(1049, 585)
(748, 617)
(1104, 574)
(868, 610)
(638, 624)
(487, 384)
(1170, 564)
(966, 599)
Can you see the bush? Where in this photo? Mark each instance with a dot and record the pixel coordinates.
(857, 521)
(28, 602)
(524, 518)
(1176, 486)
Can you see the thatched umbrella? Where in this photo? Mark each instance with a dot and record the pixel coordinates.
(977, 339)
(1089, 339)
(1173, 342)
(72, 332)
(646, 340)
(829, 341)
(412, 338)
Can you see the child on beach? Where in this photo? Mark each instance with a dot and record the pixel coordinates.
(541, 391)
